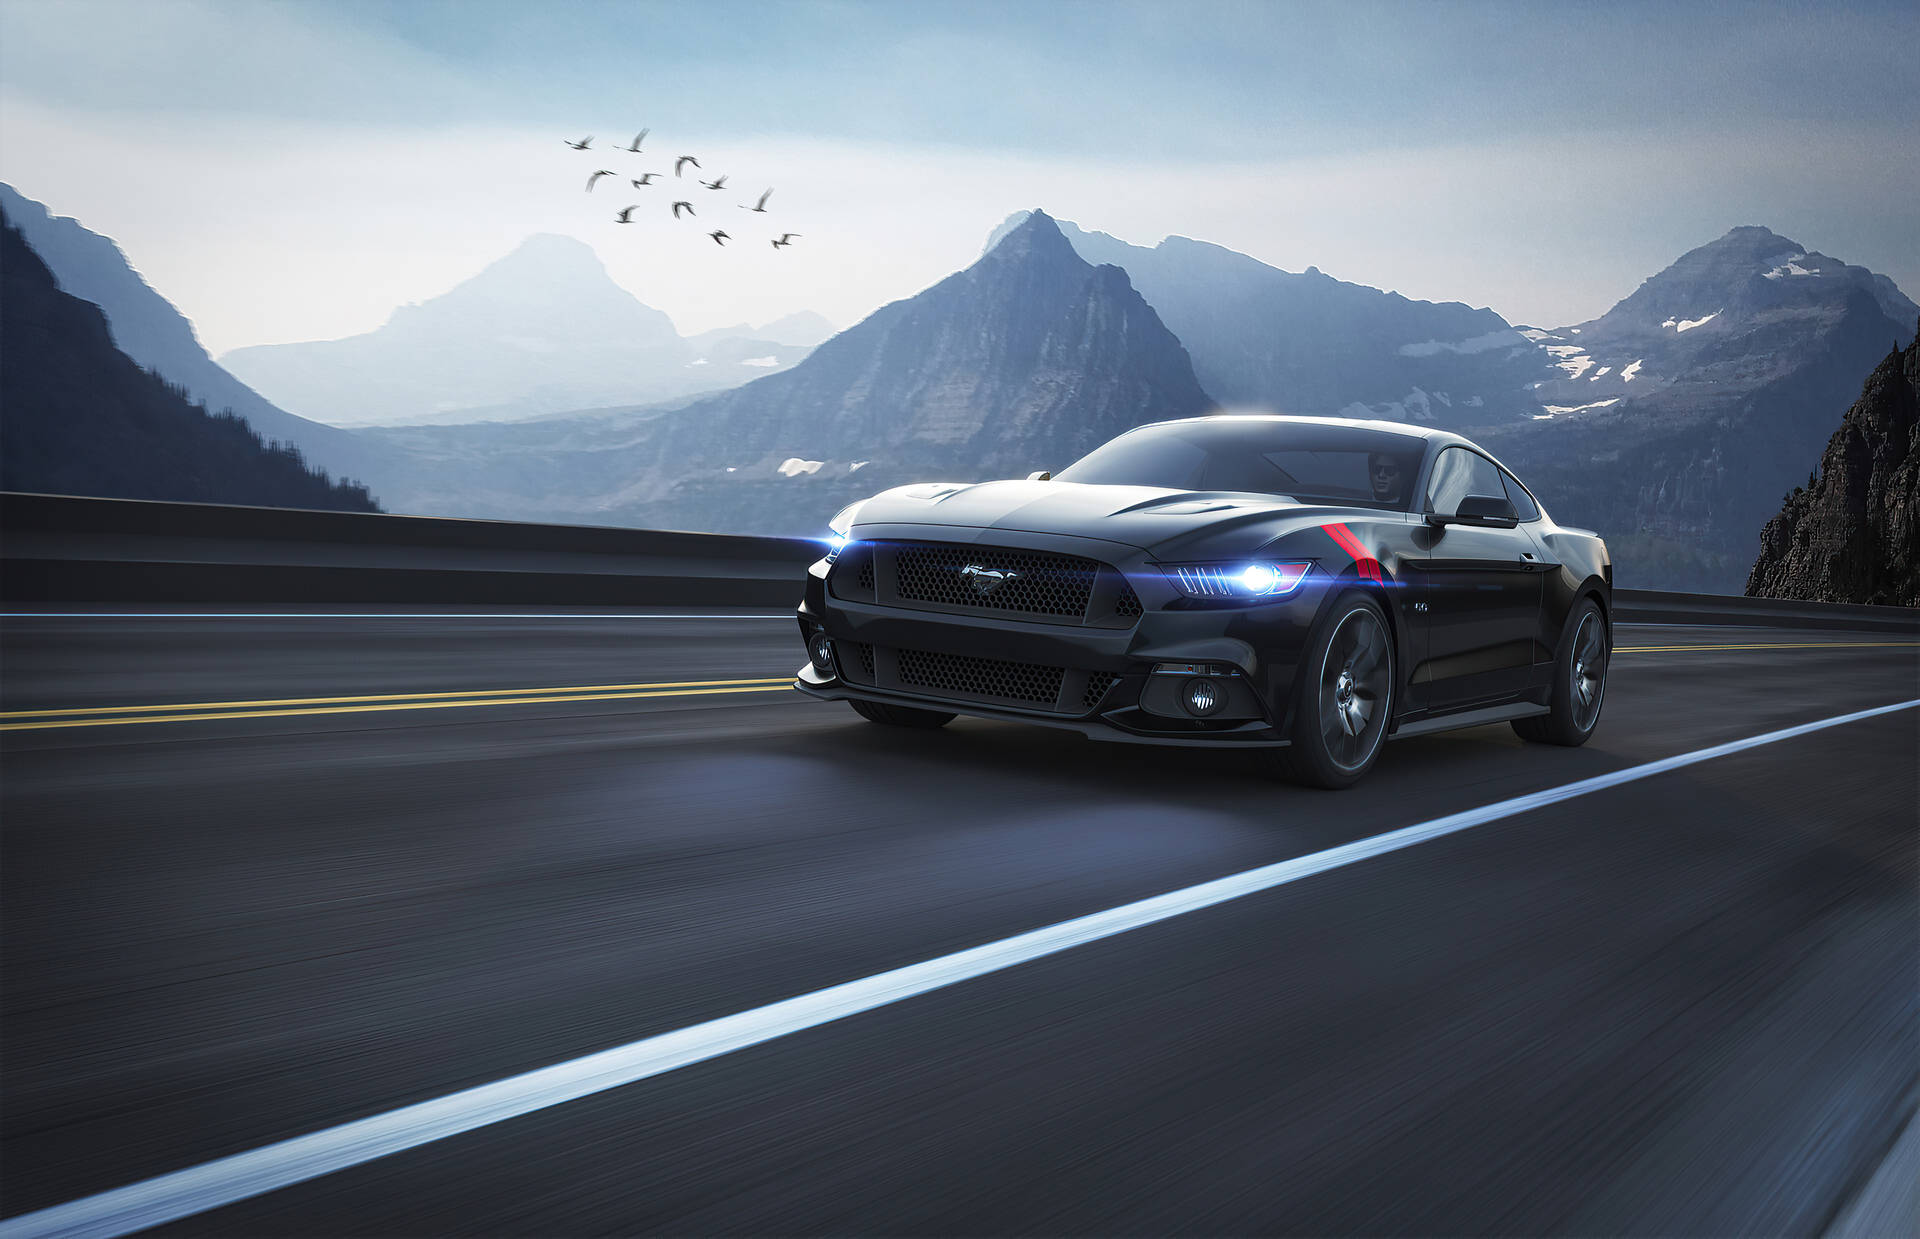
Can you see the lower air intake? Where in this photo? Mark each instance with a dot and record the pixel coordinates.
(964, 676)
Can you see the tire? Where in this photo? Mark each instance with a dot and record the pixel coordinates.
(1342, 696)
(899, 716)
(1579, 682)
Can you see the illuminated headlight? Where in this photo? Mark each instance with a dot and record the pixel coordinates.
(840, 529)
(1260, 579)
(820, 653)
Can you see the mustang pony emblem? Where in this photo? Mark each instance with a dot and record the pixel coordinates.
(985, 580)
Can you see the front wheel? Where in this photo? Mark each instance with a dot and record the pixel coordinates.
(1343, 697)
(1579, 682)
(899, 716)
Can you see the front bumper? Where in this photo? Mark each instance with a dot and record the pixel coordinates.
(1254, 649)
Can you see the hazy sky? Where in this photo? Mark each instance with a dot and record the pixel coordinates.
(294, 169)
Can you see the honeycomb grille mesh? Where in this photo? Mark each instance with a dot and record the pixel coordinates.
(1097, 685)
(1127, 605)
(961, 674)
(865, 653)
(1034, 582)
(864, 581)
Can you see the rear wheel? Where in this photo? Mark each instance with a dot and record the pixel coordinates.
(1579, 682)
(899, 716)
(1343, 697)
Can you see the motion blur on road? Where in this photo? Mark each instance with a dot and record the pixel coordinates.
(264, 875)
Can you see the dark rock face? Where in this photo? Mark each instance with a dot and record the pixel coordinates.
(1026, 360)
(1853, 534)
(1677, 416)
(1306, 343)
(147, 328)
(79, 417)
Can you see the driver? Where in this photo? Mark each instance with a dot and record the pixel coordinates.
(1383, 470)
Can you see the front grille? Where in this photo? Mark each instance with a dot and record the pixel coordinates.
(1098, 683)
(865, 580)
(1034, 582)
(1127, 605)
(865, 651)
(961, 674)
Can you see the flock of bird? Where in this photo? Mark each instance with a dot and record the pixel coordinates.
(680, 164)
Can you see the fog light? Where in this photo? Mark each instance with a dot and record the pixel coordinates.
(820, 653)
(1202, 697)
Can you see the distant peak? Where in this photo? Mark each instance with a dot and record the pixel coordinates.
(551, 252)
(1036, 233)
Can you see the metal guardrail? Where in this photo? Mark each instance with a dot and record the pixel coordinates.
(60, 548)
(68, 549)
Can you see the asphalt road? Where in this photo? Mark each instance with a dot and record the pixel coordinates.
(1682, 1005)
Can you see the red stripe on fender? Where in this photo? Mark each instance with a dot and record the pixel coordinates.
(1363, 563)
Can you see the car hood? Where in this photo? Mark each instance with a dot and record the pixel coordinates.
(1171, 524)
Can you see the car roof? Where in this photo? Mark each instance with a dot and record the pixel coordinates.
(1402, 428)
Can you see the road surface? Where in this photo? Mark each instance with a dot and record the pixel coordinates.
(264, 876)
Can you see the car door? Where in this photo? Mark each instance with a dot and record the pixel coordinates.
(1482, 584)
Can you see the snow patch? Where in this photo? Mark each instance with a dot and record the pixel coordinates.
(1788, 267)
(1561, 410)
(1571, 358)
(761, 361)
(1474, 402)
(1537, 335)
(1476, 344)
(1690, 323)
(793, 466)
(857, 464)
(1626, 375)
(1597, 373)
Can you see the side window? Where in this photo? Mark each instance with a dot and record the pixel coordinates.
(1523, 505)
(1458, 473)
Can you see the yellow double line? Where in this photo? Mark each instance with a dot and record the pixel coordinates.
(186, 712)
(182, 712)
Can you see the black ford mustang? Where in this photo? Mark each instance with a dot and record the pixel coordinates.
(1307, 584)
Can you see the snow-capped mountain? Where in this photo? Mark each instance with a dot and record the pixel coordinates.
(1678, 418)
(1733, 312)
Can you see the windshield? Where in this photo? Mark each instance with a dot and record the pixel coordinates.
(1311, 463)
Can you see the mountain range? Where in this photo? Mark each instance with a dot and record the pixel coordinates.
(83, 418)
(542, 330)
(1669, 423)
(1306, 343)
(1025, 360)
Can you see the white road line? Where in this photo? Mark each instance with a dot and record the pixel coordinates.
(572, 615)
(184, 1193)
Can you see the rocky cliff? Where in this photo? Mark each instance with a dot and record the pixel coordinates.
(1853, 533)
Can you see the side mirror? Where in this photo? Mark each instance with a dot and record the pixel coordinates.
(1487, 511)
(1040, 475)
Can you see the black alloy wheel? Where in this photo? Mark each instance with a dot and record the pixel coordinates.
(1343, 697)
(1579, 682)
